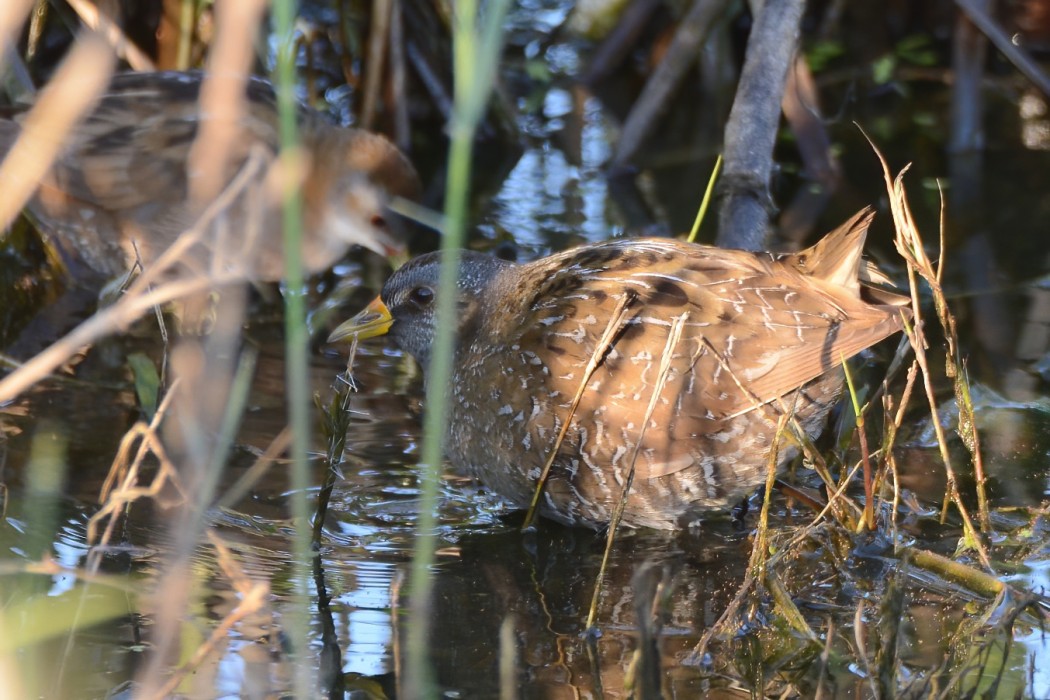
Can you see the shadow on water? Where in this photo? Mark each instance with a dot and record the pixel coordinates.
(555, 195)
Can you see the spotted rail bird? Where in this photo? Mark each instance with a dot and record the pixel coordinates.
(120, 191)
(759, 334)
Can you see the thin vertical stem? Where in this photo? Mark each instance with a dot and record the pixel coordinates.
(475, 56)
(296, 368)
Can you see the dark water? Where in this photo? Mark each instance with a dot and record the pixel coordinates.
(555, 195)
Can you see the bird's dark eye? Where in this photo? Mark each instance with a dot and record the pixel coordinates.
(421, 296)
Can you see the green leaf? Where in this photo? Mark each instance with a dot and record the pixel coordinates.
(882, 69)
(822, 53)
(147, 382)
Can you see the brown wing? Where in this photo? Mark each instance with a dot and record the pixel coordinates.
(755, 329)
(131, 151)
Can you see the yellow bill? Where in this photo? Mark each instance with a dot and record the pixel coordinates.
(373, 321)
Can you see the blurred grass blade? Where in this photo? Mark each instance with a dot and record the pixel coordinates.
(147, 383)
(297, 376)
(39, 618)
(476, 55)
(706, 201)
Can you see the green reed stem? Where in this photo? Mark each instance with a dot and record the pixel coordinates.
(706, 201)
(475, 56)
(296, 368)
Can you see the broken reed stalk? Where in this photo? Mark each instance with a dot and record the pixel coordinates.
(674, 335)
(616, 322)
(335, 423)
(909, 246)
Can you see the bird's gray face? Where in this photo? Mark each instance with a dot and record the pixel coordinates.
(411, 297)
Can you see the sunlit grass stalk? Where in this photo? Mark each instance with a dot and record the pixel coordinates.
(296, 367)
(909, 244)
(706, 202)
(475, 56)
(868, 518)
(187, 13)
(673, 338)
(955, 368)
(616, 322)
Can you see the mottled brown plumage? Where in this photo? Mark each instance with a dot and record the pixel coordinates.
(121, 182)
(756, 327)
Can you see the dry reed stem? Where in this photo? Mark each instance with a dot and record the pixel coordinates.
(213, 389)
(118, 468)
(614, 326)
(967, 428)
(378, 38)
(100, 22)
(113, 500)
(222, 96)
(890, 437)
(76, 86)
(12, 16)
(758, 560)
(674, 335)
(825, 657)
(909, 244)
(508, 660)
